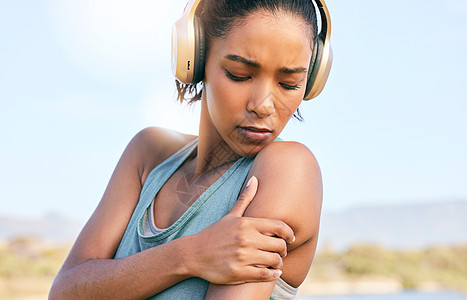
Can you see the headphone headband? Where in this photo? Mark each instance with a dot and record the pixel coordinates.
(188, 49)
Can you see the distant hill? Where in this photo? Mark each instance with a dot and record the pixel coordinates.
(52, 228)
(397, 227)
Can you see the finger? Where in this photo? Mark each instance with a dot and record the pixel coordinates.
(271, 244)
(245, 198)
(274, 227)
(256, 274)
(266, 259)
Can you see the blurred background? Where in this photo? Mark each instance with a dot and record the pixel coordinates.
(78, 79)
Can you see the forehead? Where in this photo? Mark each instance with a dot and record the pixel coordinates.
(268, 38)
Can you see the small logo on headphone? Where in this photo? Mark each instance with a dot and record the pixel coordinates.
(189, 65)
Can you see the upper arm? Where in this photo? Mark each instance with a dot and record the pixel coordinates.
(101, 235)
(290, 189)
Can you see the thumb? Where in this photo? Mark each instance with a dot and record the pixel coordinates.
(245, 198)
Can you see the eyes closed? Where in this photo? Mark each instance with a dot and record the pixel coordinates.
(245, 78)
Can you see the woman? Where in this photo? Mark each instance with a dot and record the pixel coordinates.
(169, 223)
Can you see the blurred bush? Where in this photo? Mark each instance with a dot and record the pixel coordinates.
(445, 267)
(29, 265)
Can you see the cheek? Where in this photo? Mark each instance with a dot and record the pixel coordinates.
(286, 106)
(225, 98)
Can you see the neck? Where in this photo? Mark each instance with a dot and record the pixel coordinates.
(213, 152)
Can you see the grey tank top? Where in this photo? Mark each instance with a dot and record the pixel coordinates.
(212, 205)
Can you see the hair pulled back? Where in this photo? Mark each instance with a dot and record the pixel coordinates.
(219, 16)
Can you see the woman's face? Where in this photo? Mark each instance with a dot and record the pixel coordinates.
(255, 79)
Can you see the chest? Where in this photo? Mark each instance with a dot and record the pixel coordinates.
(179, 193)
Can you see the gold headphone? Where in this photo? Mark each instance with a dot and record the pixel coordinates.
(188, 49)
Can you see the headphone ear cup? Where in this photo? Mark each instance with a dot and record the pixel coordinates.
(188, 46)
(182, 52)
(320, 70)
(312, 69)
(315, 64)
(200, 51)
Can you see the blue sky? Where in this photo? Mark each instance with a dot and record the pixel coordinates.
(79, 78)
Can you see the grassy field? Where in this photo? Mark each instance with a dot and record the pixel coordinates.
(28, 266)
(437, 268)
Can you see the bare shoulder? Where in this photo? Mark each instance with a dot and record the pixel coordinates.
(153, 145)
(287, 154)
(103, 232)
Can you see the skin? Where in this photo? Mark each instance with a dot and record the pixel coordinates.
(269, 60)
(275, 221)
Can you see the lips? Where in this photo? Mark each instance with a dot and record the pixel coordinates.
(255, 134)
(256, 129)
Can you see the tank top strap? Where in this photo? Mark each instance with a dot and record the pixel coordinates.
(160, 174)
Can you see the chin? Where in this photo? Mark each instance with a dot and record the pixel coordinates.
(250, 150)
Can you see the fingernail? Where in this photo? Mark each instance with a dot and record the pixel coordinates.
(279, 273)
(249, 181)
(293, 240)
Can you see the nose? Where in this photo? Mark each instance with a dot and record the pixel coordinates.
(261, 102)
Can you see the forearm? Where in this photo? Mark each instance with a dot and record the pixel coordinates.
(138, 276)
(258, 290)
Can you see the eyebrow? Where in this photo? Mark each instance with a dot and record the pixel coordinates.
(238, 58)
(293, 70)
(252, 63)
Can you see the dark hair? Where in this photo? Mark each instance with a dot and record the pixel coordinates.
(218, 18)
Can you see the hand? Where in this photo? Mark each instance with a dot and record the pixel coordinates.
(239, 249)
